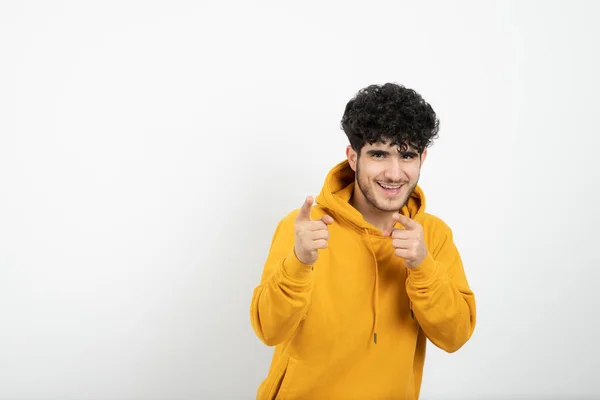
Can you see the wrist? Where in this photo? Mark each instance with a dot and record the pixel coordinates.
(303, 258)
(294, 269)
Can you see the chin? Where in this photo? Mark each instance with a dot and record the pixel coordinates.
(390, 206)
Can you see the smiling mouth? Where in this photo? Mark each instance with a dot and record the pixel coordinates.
(389, 186)
(390, 189)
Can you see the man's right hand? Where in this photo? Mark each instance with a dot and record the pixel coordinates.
(310, 235)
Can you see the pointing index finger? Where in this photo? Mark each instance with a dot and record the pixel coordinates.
(304, 214)
(407, 222)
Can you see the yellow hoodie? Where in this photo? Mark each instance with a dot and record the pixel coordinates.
(354, 324)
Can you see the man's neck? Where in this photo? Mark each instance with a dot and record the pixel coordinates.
(380, 219)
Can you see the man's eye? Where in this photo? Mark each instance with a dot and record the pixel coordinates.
(378, 155)
(408, 156)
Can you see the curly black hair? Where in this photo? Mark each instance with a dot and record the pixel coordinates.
(389, 112)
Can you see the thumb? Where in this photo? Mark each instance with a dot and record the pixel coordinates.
(304, 214)
(327, 219)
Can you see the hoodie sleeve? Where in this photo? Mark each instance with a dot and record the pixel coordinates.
(281, 300)
(441, 299)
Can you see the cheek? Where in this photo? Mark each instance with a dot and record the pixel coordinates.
(372, 175)
(371, 171)
(412, 172)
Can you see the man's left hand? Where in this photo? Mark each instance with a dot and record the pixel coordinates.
(409, 243)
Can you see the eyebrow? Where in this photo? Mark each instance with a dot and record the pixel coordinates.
(374, 151)
(387, 150)
(410, 150)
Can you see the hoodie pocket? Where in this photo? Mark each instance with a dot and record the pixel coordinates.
(283, 380)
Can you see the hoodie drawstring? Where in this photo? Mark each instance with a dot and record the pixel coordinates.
(376, 291)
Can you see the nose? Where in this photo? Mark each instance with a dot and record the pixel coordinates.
(393, 171)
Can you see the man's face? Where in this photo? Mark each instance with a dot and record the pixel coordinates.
(386, 176)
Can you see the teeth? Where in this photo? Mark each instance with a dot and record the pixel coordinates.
(389, 187)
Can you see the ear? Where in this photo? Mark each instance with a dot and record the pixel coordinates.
(352, 157)
(423, 156)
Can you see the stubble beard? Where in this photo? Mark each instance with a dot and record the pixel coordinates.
(371, 199)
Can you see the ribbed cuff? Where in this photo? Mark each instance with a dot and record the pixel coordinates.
(295, 269)
(425, 272)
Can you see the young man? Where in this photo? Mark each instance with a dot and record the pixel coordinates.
(352, 287)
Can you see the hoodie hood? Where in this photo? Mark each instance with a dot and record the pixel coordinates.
(337, 191)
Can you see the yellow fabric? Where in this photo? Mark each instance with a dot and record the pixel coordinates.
(354, 324)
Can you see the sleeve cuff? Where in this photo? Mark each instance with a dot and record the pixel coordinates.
(295, 269)
(426, 272)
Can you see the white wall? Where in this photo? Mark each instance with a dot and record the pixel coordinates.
(148, 149)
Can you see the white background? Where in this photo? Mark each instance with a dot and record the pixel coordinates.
(148, 150)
